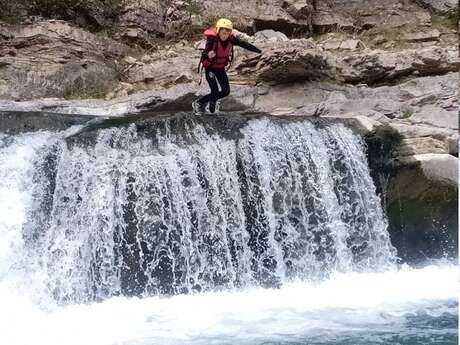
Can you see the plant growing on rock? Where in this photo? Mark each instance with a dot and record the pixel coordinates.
(95, 15)
(12, 11)
(82, 88)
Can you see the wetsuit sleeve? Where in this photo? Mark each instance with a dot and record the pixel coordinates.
(246, 45)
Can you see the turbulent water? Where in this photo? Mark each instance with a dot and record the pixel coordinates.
(274, 230)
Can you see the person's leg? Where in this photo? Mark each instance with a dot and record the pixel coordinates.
(199, 106)
(222, 78)
(211, 79)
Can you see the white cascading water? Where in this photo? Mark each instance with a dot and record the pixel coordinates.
(127, 213)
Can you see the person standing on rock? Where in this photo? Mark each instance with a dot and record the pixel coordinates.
(217, 54)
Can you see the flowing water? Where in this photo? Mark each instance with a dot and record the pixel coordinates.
(178, 232)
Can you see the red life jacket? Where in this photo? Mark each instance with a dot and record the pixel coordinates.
(223, 55)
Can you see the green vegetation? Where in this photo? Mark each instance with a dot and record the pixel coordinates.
(82, 88)
(449, 21)
(193, 7)
(396, 34)
(406, 113)
(238, 23)
(12, 12)
(96, 15)
(393, 36)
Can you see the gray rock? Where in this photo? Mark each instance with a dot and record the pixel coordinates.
(331, 45)
(433, 114)
(377, 66)
(437, 167)
(422, 145)
(354, 15)
(270, 36)
(293, 61)
(439, 6)
(423, 36)
(142, 21)
(351, 44)
(301, 10)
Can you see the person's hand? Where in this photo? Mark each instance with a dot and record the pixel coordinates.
(212, 54)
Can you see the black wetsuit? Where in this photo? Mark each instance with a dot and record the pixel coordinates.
(216, 76)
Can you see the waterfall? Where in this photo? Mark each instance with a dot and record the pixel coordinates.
(178, 206)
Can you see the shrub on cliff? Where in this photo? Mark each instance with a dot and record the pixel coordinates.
(12, 11)
(92, 14)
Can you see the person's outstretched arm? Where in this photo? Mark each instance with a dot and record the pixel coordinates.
(245, 45)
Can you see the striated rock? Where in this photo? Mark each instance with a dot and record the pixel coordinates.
(351, 44)
(379, 39)
(254, 15)
(447, 136)
(142, 20)
(422, 145)
(341, 15)
(145, 19)
(434, 115)
(164, 72)
(42, 59)
(423, 36)
(377, 66)
(439, 6)
(287, 62)
(331, 45)
(301, 10)
(383, 104)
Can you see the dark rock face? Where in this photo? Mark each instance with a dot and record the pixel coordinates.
(422, 212)
(423, 218)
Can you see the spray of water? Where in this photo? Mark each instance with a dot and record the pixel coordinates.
(184, 209)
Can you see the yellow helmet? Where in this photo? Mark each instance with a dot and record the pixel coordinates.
(224, 23)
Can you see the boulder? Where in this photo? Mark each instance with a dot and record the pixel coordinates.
(419, 192)
(436, 167)
(422, 145)
(287, 62)
(423, 212)
(264, 36)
